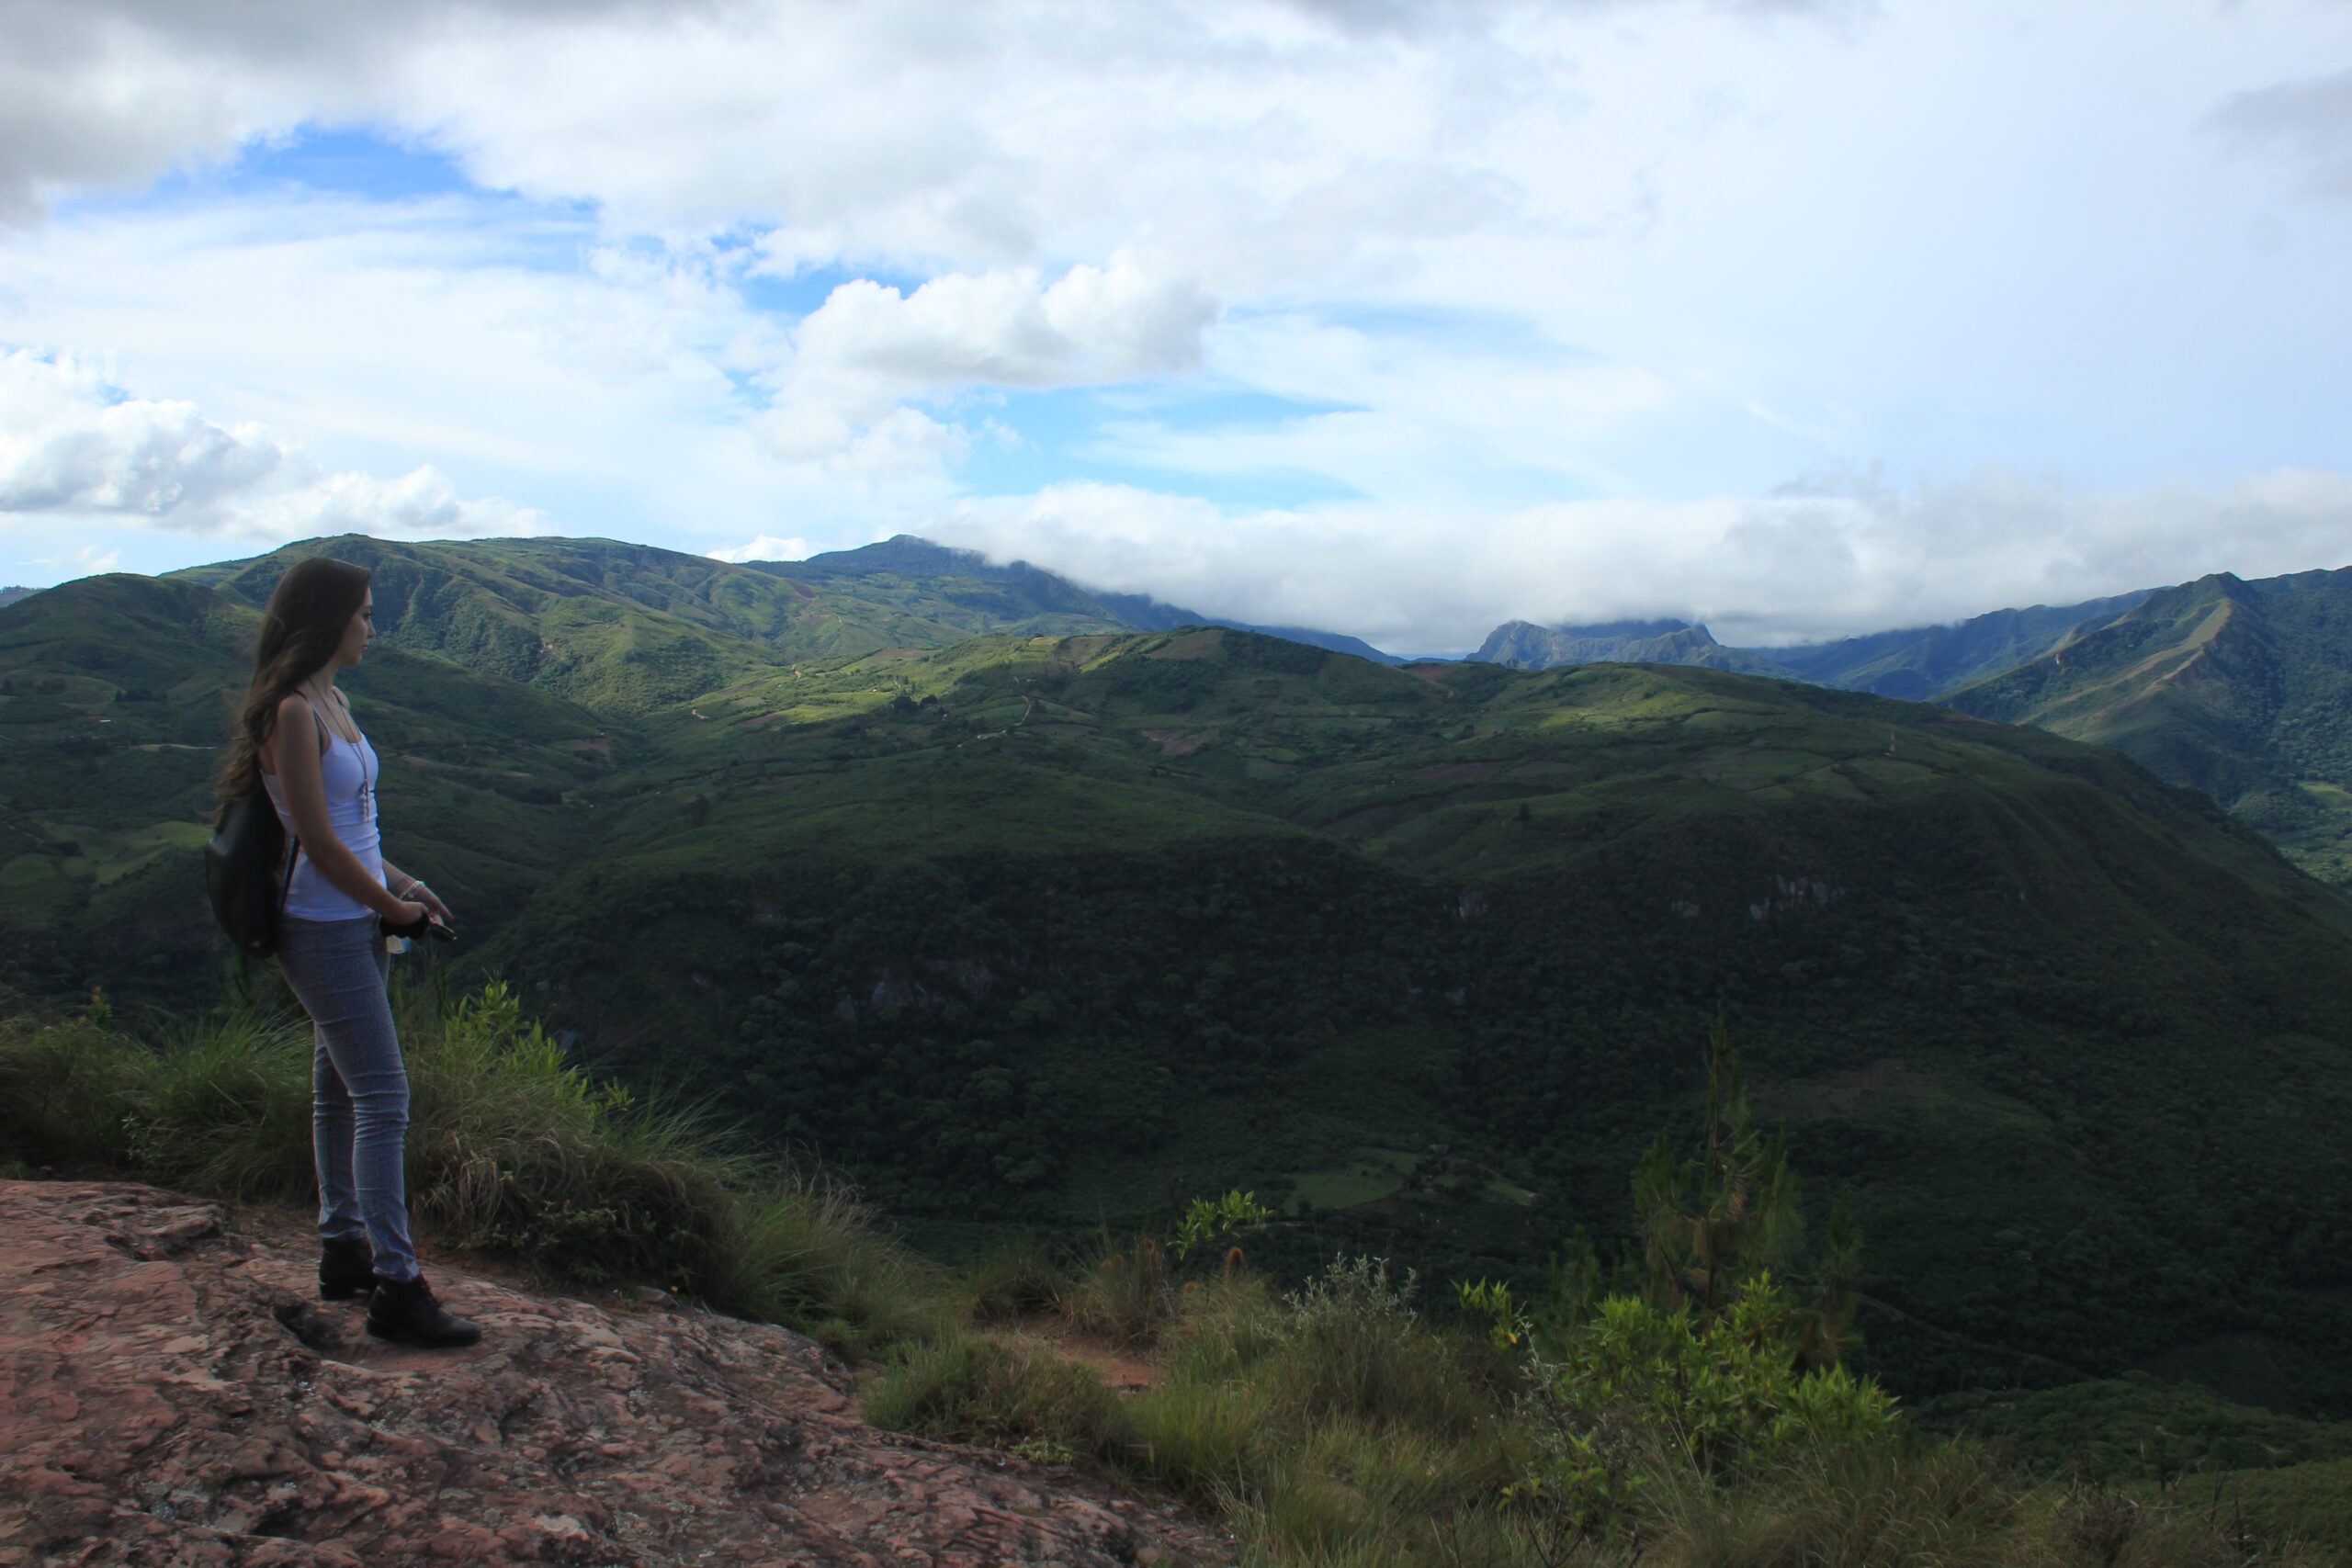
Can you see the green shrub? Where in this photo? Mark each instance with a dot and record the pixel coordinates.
(1351, 1346)
(1641, 1390)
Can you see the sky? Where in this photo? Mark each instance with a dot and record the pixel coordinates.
(1400, 318)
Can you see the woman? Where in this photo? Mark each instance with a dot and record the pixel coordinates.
(297, 739)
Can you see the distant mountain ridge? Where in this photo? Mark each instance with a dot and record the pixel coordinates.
(1522, 645)
(1920, 663)
(638, 627)
(1038, 591)
(10, 595)
(1916, 663)
(2242, 690)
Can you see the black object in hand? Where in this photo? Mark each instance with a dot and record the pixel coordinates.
(424, 925)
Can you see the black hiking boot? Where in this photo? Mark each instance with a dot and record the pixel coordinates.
(405, 1312)
(346, 1269)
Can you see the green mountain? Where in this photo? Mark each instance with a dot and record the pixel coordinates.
(966, 590)
(1055, 933)
(2242, 690)
(633, 628)
(1923, 662)
(1522, 645)
(10, 595)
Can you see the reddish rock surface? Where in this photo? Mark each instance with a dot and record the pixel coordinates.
(173, 1393)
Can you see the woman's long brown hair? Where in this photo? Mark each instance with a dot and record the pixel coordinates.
(313, 604)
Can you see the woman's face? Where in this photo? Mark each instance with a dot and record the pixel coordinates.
(358, 632)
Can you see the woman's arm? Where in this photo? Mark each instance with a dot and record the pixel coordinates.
(406, 885)
(297, 745)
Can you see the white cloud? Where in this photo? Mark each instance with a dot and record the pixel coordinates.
(618, 397)
(1007, 328)
(869, 346)
(767, 547)
(66, 448)
(86, 560)
(74, 449)
(1828, 560)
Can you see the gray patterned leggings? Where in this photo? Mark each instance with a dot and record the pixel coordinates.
(358, 1085)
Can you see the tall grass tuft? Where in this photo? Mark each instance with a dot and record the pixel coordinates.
(979, 1391)
(511, 1149)
(1016, 1280)
(1126, 1297)
(1332, 1424)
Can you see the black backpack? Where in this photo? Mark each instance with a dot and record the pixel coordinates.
(241, 872)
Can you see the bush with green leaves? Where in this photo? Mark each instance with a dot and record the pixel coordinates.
(1208, 1220)
(1640, 1386)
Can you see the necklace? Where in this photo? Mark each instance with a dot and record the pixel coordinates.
(326, 699)
(329, 702)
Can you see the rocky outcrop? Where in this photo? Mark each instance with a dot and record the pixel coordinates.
(175, 1393)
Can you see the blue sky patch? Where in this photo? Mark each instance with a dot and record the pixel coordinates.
(346, 161)
(1061, 437)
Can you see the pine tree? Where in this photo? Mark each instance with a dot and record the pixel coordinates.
(1726, 1214)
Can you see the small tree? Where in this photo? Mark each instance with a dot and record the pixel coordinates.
(1729, 1212)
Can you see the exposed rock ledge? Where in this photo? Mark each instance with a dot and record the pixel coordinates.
(171, 1393)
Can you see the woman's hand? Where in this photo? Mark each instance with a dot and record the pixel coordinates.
(406, 914)
(431, 900)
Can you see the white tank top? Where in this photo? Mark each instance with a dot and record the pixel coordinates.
(348, 771)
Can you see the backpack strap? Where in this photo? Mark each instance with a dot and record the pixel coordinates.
(286, 891)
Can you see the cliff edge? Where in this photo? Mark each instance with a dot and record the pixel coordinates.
(175, 1393)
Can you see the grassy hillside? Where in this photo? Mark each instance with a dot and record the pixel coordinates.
(2239, 689)
(1053, 932)
(625, 628)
